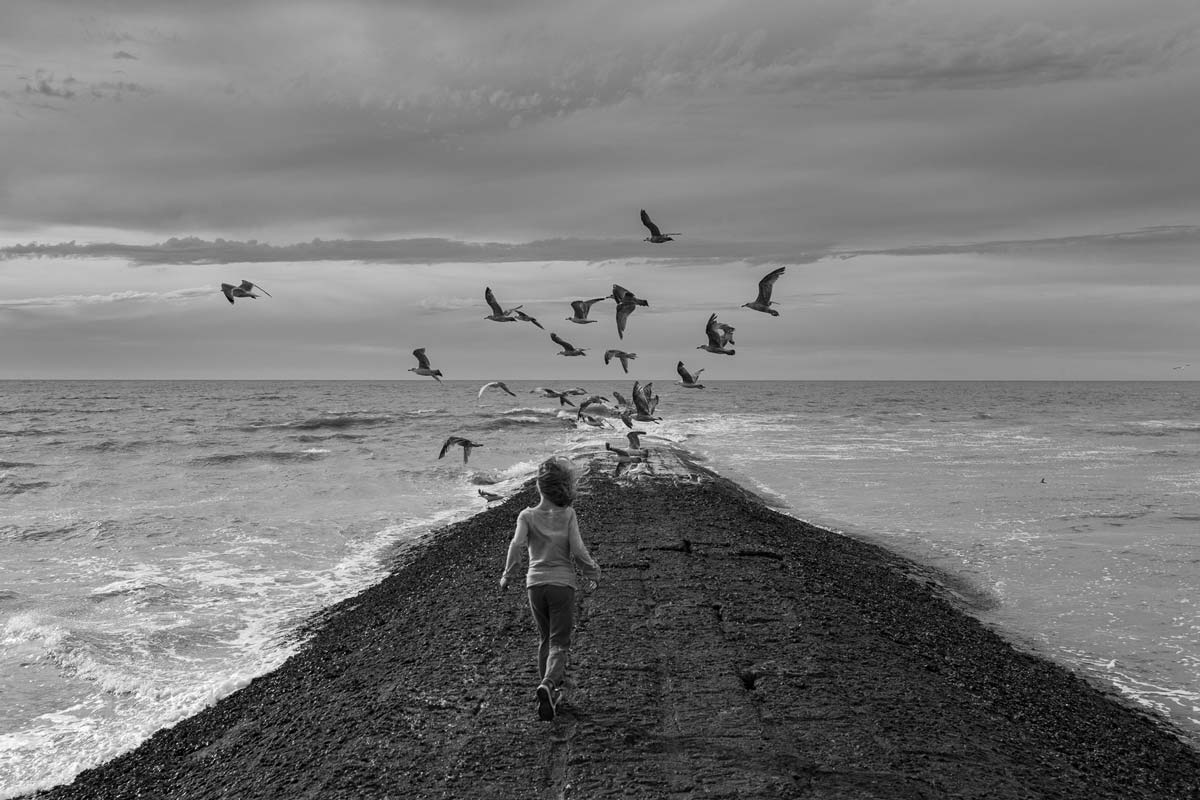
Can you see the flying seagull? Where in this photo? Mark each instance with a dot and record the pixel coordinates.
(494, 385)
(635, 439)
(423, 368)
(245, 289)
(594, 400)
(688, 380)
(718, 336)
(656, 236)
(644, 401)
(498, 314)
(620, 355)
(626, 303)
(764, 302)
(624, 457)
(562, 396)
(521, 315)
(467, 444)
(580, 309)
(568, 349)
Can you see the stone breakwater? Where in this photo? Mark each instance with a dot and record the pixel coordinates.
(730, 652)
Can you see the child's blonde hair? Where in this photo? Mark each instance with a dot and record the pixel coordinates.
(556, 481)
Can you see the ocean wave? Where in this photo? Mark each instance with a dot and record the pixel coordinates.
(11, 487)
(279, 456)
(309, 438)
(113, 446)
(1151, 428)
(335, 422)
(519, 421)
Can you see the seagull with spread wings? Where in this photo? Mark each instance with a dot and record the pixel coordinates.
(244, 289)
(562, 396)
(764, 302)
(423, 367)
(499, 314)
(580, 309)
(718, 336)
(688, 380)
(656, 236)
(568, 349)
(495, 385)
(621, 356)
(627, 302)
(466, 445)
(521, 315)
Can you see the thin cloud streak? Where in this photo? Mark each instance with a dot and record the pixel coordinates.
(193, 250)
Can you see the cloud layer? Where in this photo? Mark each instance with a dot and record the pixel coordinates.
(319, 140)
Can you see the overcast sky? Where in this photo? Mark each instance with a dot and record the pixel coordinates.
(958, 189)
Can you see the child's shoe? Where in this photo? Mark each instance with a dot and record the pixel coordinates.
(546, 702)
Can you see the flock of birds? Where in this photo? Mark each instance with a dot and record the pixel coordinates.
(643, 402)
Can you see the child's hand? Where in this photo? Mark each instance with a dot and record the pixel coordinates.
(503, 582)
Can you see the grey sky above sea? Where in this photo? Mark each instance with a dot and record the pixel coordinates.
(958, 190)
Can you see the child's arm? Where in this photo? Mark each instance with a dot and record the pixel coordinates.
(579, 550)
(512, 565)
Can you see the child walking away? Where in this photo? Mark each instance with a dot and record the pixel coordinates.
(549, 532)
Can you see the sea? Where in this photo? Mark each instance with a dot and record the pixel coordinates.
(164, 542)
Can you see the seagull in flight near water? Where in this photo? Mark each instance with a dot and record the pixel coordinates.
(626, 303)
(466, 444)
(621, 356)
(494, 385)
(568, 349)
(656, 236)
(244, 289)
(688, 380)
(764, 302)
(719, 335)
(498, 314)
(423, 367)
(580, 309)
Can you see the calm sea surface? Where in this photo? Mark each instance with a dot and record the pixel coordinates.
(162, 541)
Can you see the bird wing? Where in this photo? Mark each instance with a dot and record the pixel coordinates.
(580, 308)
(726, 333)
(683, 373)
(714, 335)
(654, 231)
(227, 289)
(767, 284)
(621, 294)
(491, 301)
(639, 399)
(492, 385)
(422, 359)
(634, 439)
(623, 312)
(608, 355)
(247, 286)
(521, 315)
(651, 399)
(505, 388)
(453, 440)
(558, 340)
